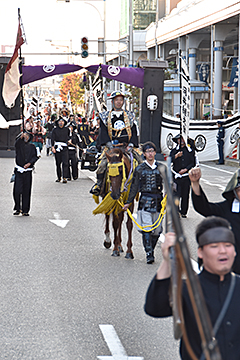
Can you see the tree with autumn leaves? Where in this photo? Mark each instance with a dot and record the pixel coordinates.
(72, 83)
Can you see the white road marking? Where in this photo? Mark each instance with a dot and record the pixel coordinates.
(221, 187)
(214, 168)
(90, 174)
(57, 221)
(91, 177)
(212, 184)
(115, 346)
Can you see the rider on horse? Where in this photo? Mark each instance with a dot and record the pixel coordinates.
(117, 126)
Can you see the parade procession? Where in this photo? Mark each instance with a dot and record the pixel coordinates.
(120, 181)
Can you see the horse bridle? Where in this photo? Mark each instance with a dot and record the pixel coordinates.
(113, 170)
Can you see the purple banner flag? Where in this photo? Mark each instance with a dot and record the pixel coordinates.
(131, 76)
(34, 73)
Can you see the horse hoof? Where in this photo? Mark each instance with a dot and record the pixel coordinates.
(129, 256)
(120, 249)
(107, 244)
(115, 253)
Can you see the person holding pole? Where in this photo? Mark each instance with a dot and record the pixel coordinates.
(221, 289)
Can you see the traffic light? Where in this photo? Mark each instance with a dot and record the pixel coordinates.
(84, 46)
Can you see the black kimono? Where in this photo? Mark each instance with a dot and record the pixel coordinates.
(215, 292)
(60, 137)
(25, 153)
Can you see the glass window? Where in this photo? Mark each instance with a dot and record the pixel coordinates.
(167, 103)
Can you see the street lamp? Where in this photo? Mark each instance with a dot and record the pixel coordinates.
(102, 19)
(104, 26)
(104, 38)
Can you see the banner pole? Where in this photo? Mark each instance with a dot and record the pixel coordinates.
(180, 88)
(20, 70)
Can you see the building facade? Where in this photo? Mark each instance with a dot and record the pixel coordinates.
(207, 34)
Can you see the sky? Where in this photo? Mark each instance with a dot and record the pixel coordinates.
(63, 23)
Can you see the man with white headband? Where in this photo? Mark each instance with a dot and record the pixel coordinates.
(221, 289)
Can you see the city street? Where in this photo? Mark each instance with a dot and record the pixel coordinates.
(62, 295)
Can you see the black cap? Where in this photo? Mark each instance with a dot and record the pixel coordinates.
(175, 138)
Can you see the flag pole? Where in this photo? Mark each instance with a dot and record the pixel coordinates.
(180, 88)
(20, 70)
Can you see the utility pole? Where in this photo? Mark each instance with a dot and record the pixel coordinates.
(130, 51)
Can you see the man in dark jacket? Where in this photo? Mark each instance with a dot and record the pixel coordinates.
(84, 132)
(228, 209)
(183, 159)
(216, 252)
(74, 143)
(26, 156)
(220, 142)
(49, 128)
(147, 180)
(60, 137)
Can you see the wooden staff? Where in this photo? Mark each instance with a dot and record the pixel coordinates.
(181, 264)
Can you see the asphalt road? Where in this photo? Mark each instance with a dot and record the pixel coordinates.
(59, 285)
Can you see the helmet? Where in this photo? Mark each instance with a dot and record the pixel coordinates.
(116, 93)
(73, 124)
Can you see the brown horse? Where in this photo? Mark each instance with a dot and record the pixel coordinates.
(117, 182)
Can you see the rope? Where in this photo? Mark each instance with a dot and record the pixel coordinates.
(130, 173)
(156, 223)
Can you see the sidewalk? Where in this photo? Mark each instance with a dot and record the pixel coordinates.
(232, 162)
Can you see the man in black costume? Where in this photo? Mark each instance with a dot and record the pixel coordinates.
(183, 159)
(117, 126)
(220, 142)
(148, 181)
(216, 254)
(228, 209)
(74, 143)
(84, 132)
(49, 128)
(60, 137)
(26, 156)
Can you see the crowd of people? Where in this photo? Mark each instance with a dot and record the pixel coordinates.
(66, 135)
(82, 132)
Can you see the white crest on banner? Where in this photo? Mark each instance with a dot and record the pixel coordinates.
(204, 133)
(185, 98)
(113, 70)
(97, 91)
(48, 68)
